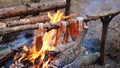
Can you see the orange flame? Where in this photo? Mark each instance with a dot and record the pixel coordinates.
(48, 42)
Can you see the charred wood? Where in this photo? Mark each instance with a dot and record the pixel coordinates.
(62, 49)
(8, 56)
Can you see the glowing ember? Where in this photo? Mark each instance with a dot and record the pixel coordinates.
(49, 41)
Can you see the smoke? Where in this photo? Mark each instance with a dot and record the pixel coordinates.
(97, 6)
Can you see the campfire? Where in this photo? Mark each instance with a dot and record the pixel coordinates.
(58, 44)
(38, 54)
(58, 37)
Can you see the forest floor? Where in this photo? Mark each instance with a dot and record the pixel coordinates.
(91, 7)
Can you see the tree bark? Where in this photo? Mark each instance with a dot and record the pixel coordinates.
(44, 18)
(28, 27)
(25, 21)
(82, 60)
(31, 9)
(104, 14)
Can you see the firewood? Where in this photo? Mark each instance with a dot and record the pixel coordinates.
(25, 21)
(2, 25)
(61, 49)
(18, 28)
(27, 27)
(100, 15)
(8, 56)
(44, 18)
(35, 26)
(31, 9)
(69, 51)
(84, 60)
(48, 27)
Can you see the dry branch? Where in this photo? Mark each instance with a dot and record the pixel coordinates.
(25, 21)
(18, 28)
(28, 27)
(104, 14)
(31, 9)
(44, 18)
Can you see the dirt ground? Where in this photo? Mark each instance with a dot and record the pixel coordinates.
(84, 7)
(91, 7)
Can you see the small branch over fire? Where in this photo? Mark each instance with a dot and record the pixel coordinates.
(48, 27)
(104, 14)
(44, 18)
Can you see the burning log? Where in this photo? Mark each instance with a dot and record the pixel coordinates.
(31, 9)
(65, 50)
(11, 54)
(71, 50)
(69, 53)
(8, 56)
